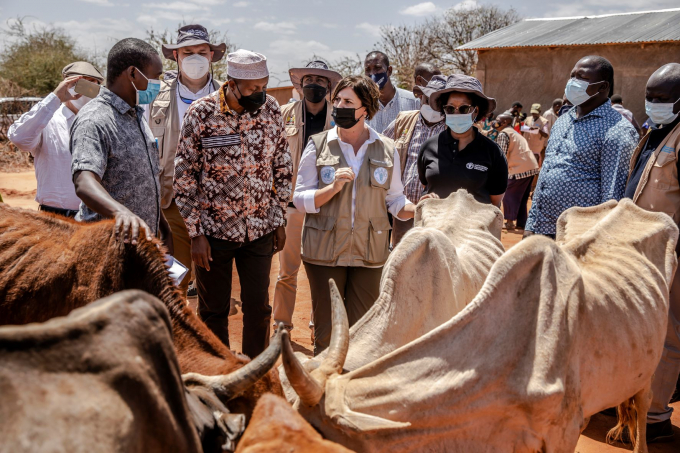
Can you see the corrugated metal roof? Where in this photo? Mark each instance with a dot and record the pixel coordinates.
(643, 27)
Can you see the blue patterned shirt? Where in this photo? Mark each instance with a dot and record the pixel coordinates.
(586, 164)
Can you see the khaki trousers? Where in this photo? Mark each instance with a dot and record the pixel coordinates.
(666, 375)
(181, 242)
(289, 265)
(359, 287)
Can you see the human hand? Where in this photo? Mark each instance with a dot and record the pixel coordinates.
(62, 90)
(279, 238)
(429, 195)
(200, 252)
(342, 177)
(128, 227)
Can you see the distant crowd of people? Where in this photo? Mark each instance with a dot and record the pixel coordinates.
(222, 173)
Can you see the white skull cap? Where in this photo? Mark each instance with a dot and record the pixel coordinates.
(246, 65)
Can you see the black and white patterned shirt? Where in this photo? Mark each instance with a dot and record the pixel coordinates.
(113, 141)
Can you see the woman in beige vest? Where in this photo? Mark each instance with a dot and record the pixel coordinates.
(345, 187)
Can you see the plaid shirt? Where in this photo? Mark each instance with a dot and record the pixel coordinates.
(233, 171)
(413, 188)
(403, 100)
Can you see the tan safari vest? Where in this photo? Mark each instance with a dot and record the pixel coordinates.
(294, 120)
(164, 123)
(658, 189)
(403, 132)
(520, 157)
(328, 238)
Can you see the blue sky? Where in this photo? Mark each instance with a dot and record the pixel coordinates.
(287, 32)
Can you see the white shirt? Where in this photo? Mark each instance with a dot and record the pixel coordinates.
(187, 94)
(43, 131)
(308, 179)
(627, 114)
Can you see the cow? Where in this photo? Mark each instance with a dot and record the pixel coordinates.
(276, 427)
(104, 378)
(434, 272)
(50, 265)
(559, 331)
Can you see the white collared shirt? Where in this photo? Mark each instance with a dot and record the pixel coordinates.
(308, 179)
(188, 94)
(43, 131)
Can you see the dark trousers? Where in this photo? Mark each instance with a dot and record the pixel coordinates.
(253, 263)
(516, 199)
(359, 287)
(65, 212)
(399, 229)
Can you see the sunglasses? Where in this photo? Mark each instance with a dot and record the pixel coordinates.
(463, 109)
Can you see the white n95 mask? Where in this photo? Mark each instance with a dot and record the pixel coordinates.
(195, 66)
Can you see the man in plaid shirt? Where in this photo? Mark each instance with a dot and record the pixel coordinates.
(232, 184)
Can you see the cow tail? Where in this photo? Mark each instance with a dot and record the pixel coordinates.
(627, 420)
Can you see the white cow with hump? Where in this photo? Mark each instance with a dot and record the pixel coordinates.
(434, 272)
(559, 331)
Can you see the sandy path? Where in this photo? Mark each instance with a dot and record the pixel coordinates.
(18, 189)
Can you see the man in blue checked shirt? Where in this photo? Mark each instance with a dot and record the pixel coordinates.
(589, 150)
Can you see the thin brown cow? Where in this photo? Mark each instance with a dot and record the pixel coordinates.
(50, 265)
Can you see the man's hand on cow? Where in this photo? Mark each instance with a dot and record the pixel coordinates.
(128, 227)
(279, 238)
(200, 252)
(429, 195)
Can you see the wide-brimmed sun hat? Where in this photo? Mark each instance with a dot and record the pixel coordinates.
(193, 35)
(436, 83)
(317, 68)
(462, 83)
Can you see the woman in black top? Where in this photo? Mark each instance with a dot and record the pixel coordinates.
(461, 157)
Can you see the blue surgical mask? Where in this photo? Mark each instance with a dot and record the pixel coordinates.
(380, 79)
(459, 123)
(576, 91)
(661, 113)
(147, 96)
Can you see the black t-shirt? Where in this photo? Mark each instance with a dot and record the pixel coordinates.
(314, 124)
(480, 167)
(656, 136)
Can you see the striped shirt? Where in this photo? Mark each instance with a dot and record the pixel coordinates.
(413, 188)
(402, 100)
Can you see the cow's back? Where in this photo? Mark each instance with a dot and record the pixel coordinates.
(103, 379)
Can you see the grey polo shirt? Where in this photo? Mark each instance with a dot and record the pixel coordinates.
(112, 140)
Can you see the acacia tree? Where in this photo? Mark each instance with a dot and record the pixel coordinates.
(158, 38)
(34, 57)
(459, 26)
(436, 40)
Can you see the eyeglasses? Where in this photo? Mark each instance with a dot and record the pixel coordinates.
(463, 109)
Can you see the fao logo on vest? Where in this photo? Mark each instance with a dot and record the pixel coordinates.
(471, 166)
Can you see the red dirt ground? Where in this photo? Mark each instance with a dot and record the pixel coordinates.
(18, 189)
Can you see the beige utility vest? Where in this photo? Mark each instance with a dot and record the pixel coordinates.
(294, 121)
(328, 238)
(658, 189)
(520, 157)
(403, 132)
(165, 124)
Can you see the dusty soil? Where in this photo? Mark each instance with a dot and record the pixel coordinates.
(18, 189)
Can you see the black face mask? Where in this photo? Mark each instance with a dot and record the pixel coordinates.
(344, 117)
(252, 102)
(314, 93)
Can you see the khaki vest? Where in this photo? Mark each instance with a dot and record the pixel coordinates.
(165, 124)
(658, 189)
(403, 132)
(294, 121)
(328, 238)
(520, 158)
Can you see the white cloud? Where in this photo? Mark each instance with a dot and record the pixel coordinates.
(465, 5)
(371, 29)
(421, 9)
(241, 4)
(177, 6)
(99, 2)
(285, 28)
(159, 16)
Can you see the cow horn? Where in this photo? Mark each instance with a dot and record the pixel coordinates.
(228, 386)
(310, 386)
(307, 388)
